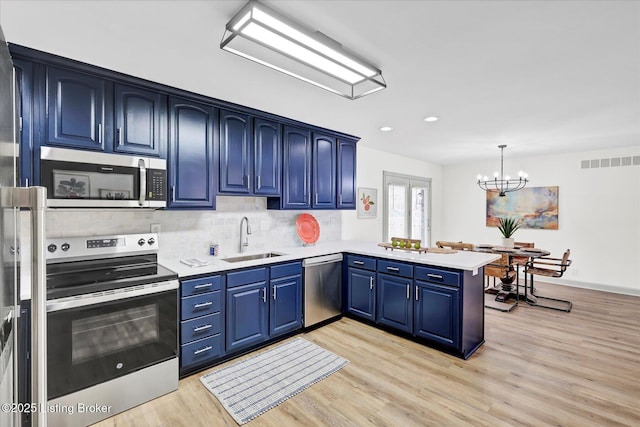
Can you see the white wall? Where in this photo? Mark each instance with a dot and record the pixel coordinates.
(599, 214)
(371, 164)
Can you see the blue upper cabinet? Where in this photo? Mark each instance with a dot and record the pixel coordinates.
(78, 110)
(191, 154)
(346, 175)
(140, 120)
(296, 168)
(267, 143)
(324, 172)
(235, 152)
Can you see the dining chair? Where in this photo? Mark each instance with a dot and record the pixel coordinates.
(502, 269)
(521, 261)
(548, 267)
(461, 246)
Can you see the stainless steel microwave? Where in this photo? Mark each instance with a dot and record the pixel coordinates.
(76, 178)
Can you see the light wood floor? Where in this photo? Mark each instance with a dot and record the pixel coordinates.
(538, 367)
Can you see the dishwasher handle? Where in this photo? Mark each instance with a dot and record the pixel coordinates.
(326, 259)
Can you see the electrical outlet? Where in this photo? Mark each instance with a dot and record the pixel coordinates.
(155, 228)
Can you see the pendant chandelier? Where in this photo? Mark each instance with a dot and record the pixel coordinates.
(501, 183)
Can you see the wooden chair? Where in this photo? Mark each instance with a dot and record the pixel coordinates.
(521, 261)
(503, 270)
(460, 246)
(548, 267)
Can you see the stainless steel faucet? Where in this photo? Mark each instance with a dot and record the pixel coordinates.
(244, 234)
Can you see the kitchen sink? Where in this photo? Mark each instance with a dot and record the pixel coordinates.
(251, 257)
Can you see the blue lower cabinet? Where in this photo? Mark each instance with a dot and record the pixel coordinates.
(201, 321)
(437, 313)
(201, 351)
(285, 311)
(361, 295)
(395, 302)
(247, 316)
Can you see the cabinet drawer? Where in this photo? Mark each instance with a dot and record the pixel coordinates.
(395, 268)
(199, 286)
(200, 351)
(361, 262)
(201, 305)
(200, 327)
(437, 275)
(284, 270)
(245, 277)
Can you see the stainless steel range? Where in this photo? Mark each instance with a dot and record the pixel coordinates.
(112, 327)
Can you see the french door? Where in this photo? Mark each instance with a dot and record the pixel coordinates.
(407, 207)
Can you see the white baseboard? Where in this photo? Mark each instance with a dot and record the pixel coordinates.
(594, 286)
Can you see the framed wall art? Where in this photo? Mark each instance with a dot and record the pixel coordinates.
(537, 207)
(367, 202)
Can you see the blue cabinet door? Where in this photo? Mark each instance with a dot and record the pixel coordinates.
(191, 154)
(79, 110)
(296, 168)
(324, 172)
(266, 157)
(140, 120)
(285, 313)
(346, 175)
(395, 302)
(361, 293)
(235, 152)
(437, 313)
(247, 315)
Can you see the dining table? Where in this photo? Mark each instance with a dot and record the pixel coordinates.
(507, 288)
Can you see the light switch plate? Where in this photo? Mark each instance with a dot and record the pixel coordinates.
(155, 228)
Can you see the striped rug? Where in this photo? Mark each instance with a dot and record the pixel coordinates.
(253, 386)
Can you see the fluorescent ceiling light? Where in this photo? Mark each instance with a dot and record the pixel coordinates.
(262, 35)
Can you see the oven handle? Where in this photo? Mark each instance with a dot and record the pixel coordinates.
(118, 294)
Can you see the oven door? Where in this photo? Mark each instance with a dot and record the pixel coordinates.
(95, 340)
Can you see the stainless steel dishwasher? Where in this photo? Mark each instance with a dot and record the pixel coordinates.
(322, 288)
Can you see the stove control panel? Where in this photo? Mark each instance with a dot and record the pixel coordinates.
(94, 246)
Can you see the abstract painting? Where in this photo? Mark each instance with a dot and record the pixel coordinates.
(537, 207)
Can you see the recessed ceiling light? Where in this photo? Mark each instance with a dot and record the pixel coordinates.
(386, 128)
(431, 118)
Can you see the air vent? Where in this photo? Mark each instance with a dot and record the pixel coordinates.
(613, 162)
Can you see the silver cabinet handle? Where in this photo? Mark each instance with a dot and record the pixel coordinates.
(370, 282)
(417, 293)
(264, 294)
(100, 133)
(173, 193)
(248, 181)
(259, 184)
(316, 198)
(309, 199)
(204, 285)
(202, 350)
(274, 293)
(434, 276)
(357, 262)
(203, 304)
(340, 198)
(26, 182)
(408, 290)
(120, 141)
(201, 328)
(396, 269)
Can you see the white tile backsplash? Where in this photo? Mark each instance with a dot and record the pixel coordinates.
(188, 233)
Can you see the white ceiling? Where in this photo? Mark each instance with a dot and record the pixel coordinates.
(539, 76)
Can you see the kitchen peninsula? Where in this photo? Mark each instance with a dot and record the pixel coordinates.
(229, 305)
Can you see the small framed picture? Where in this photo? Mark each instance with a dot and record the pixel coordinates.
(71, 185)
(114, 194)
(367, 202)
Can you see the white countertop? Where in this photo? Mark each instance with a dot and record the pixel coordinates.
(461, 260)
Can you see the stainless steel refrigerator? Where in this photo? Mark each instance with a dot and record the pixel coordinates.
(13, 198)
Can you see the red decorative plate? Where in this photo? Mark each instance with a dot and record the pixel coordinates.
(308, 228)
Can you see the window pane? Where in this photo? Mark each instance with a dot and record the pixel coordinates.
(397, 210)
(418, 214)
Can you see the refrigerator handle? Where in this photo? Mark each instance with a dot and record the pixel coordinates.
(35, 199)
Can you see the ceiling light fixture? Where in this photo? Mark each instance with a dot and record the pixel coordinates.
(262, 35)
(501, 183)
(386, 128)
(431, 118)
